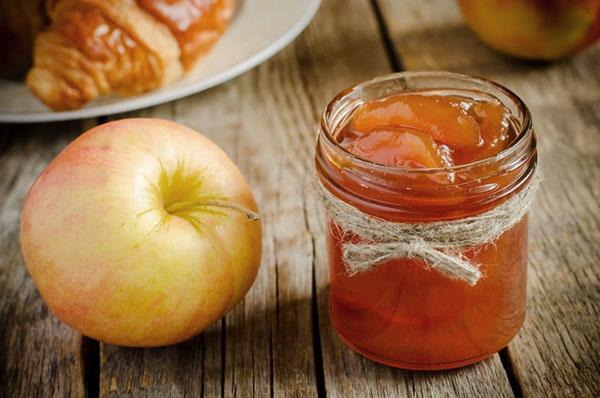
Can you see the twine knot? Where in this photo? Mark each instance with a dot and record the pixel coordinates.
(440, 244)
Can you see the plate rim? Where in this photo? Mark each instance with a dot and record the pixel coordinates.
(132, 104)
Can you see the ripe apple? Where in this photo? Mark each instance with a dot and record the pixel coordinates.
(141, 232)
(534, 29)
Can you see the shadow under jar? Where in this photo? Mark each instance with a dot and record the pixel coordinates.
(401, 312)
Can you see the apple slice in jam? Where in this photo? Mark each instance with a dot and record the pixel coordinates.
(441, 117)
(495, 129)
(397, 147)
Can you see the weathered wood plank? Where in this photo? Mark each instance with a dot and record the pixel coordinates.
(249, 332)
(39, 356)
(265, 336)
(136, 371)
(556, 353)
(268, 338)
(266, 122)
(167, 371)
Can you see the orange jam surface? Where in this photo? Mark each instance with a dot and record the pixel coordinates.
(400, 313)
(427, 131)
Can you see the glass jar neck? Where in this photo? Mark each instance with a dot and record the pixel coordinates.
(406, 194)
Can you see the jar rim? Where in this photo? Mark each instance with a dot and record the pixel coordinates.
(523, 133)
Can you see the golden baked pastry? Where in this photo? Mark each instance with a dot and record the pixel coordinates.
(95, 47)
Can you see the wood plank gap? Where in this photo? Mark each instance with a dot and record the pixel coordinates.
(271, 330)
(271, 368)
(271, 334)
(90, 362)
(386, 37)
(203, 358)
(314, 309)
(316, 335)
(515, 384)
(223, 355)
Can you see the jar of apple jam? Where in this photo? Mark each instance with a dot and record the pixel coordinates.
(423, 150)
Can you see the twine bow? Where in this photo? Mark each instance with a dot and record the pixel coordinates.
(439, 244)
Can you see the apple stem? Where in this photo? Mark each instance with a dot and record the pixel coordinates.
(251, 215)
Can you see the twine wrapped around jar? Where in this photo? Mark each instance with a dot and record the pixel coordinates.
(440, 244)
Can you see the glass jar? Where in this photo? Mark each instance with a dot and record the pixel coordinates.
(400, 312)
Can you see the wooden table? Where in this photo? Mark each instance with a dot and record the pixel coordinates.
(279, 340)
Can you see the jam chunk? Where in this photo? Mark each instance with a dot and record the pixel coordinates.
(438, 116)
(495, 128)
(427, 131)
(398, 147)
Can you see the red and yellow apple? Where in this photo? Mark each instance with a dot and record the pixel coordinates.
(534, 29)
(141, 232)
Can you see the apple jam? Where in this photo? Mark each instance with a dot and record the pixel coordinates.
(419, 148)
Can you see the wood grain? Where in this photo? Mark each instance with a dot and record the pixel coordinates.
(557, 353)
(279, 341)
(160, 372)
(266, 122)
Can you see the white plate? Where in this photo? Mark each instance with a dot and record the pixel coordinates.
(259, 29)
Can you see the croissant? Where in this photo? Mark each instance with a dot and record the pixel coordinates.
(95, 47)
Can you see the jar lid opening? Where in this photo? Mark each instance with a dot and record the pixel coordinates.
(343, 105)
